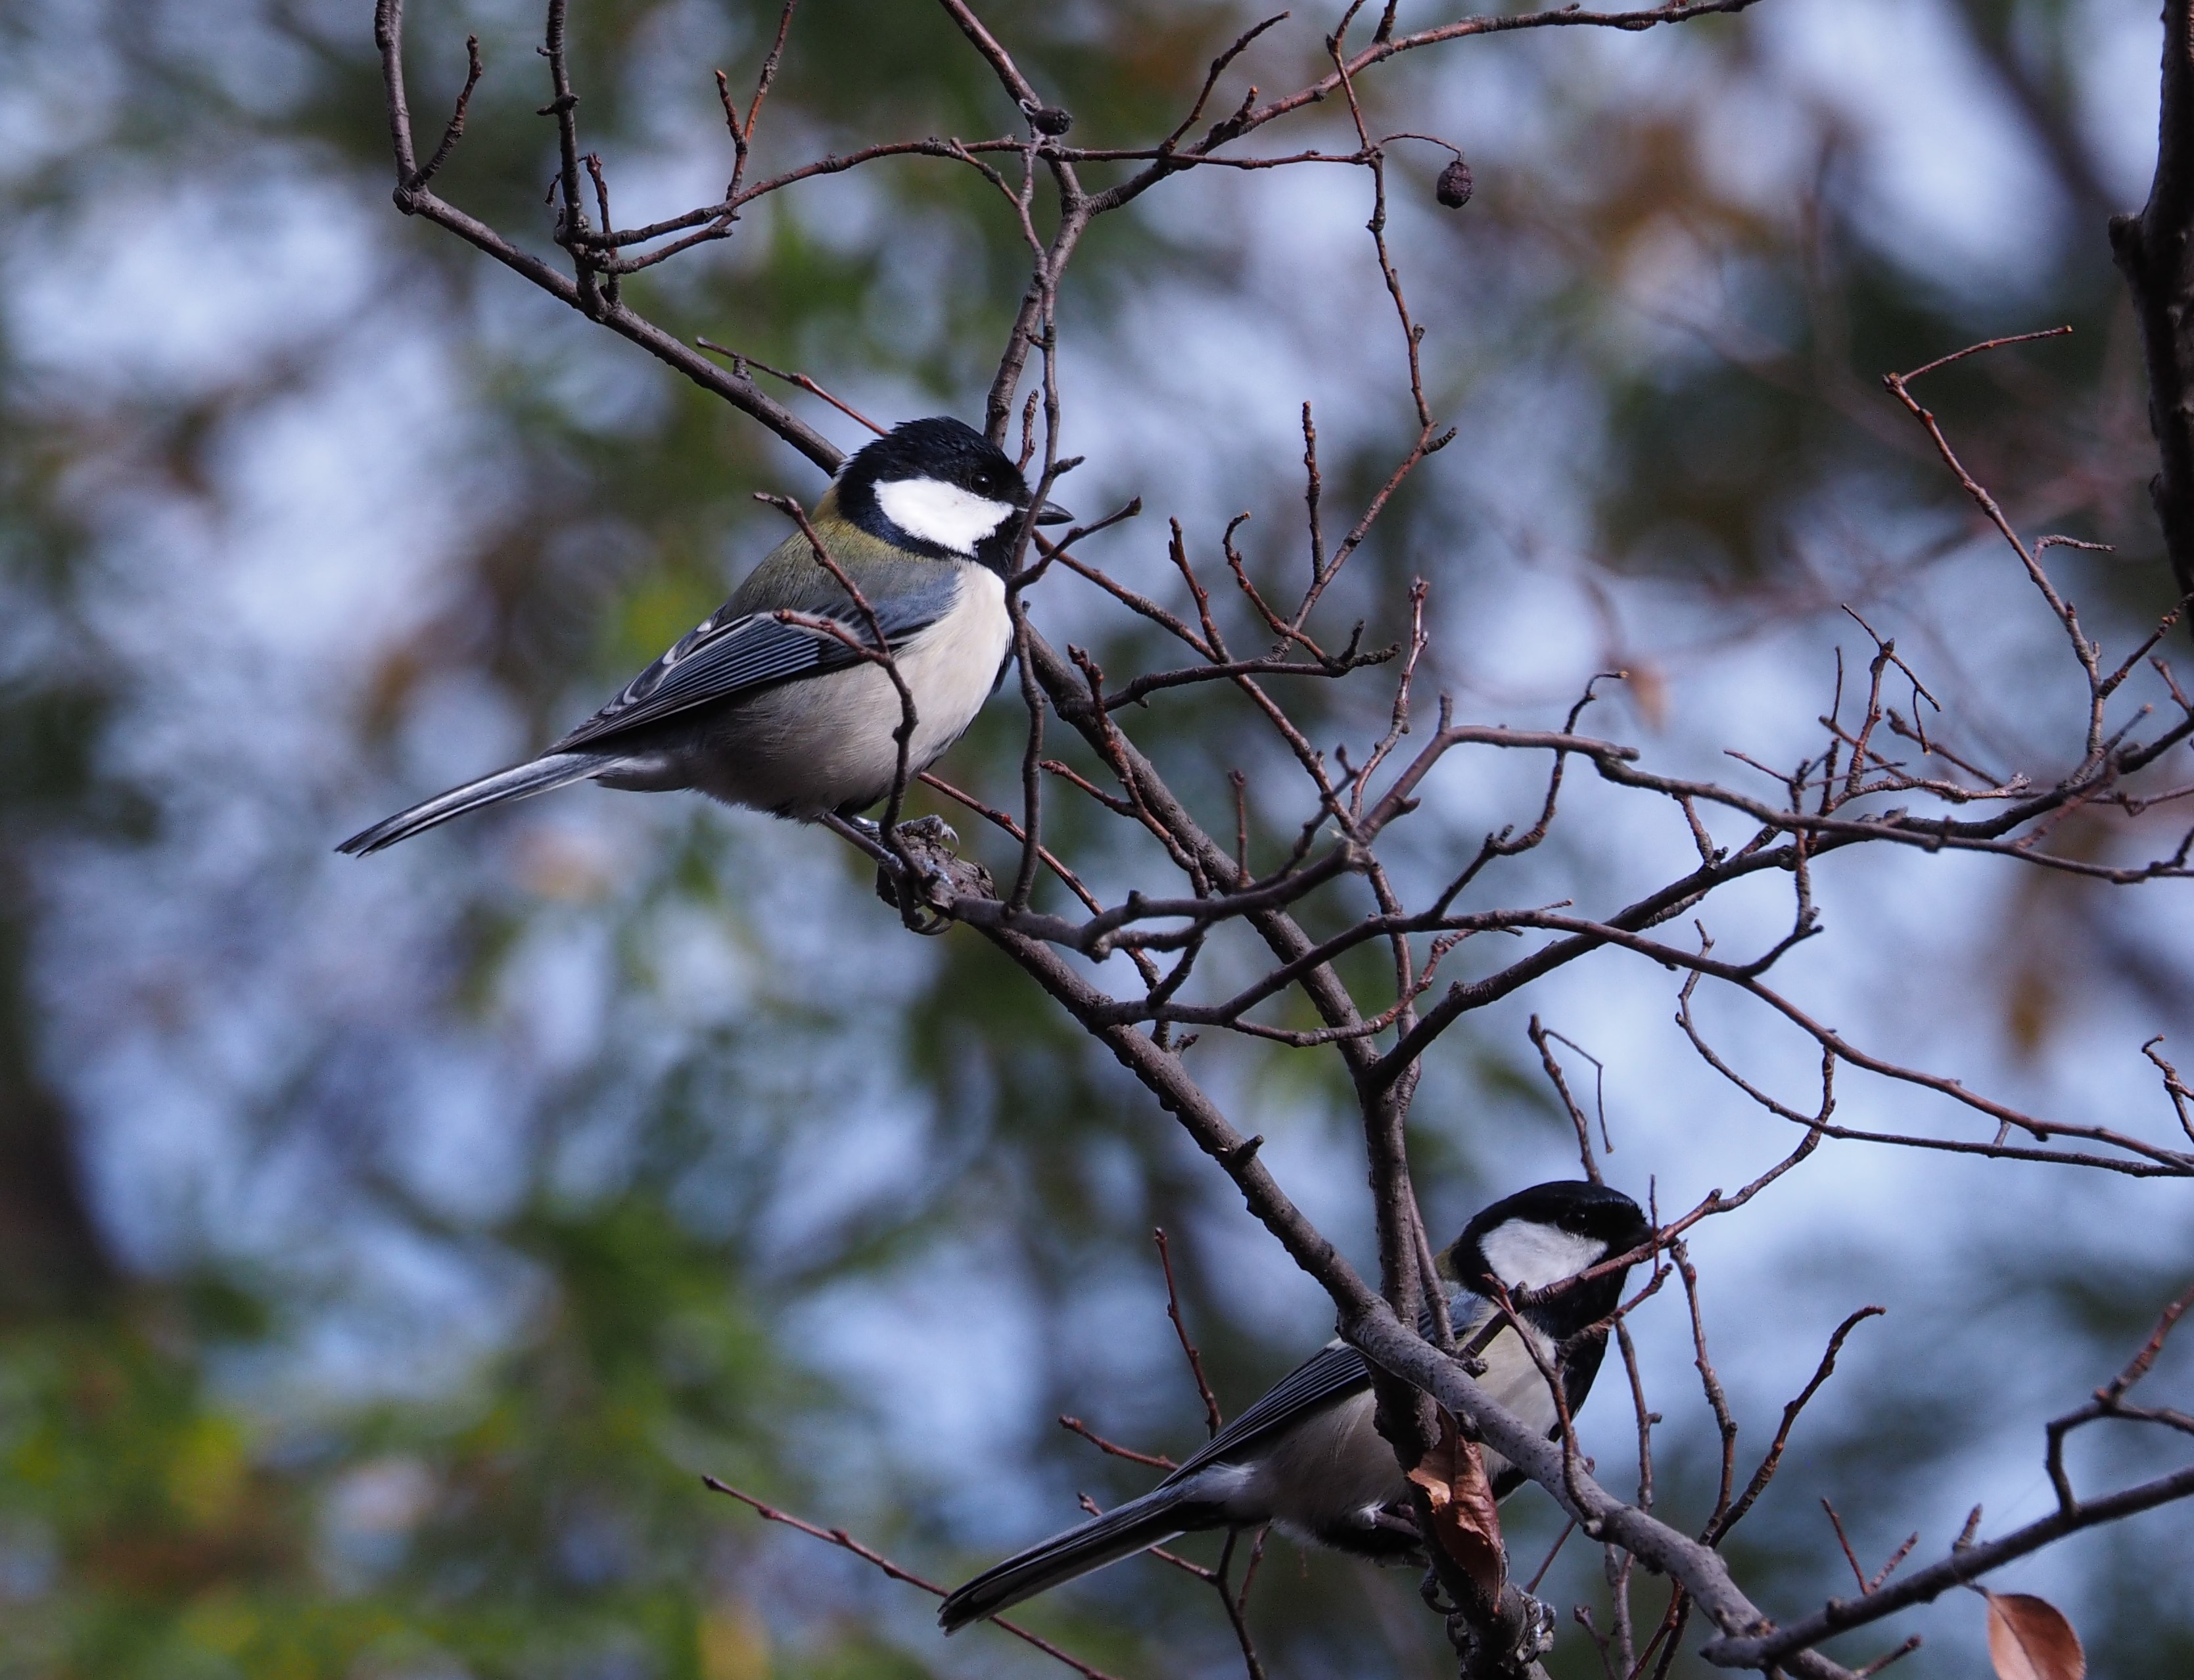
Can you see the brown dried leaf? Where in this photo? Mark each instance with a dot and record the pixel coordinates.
(2030, 1639)
(1466, 1520)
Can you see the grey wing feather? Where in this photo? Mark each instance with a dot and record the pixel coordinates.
(727, 656)
(1139, 1524)
(1333, 1373)
(1330, 1375)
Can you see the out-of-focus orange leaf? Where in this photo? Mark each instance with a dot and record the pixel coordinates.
(2030, 1639)
(1466, 1520)
(1649, 692)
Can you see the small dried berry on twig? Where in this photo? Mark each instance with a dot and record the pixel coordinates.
(1454, 187)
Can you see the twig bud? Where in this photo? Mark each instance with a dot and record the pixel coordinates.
(1455, 185)
(1048, 119)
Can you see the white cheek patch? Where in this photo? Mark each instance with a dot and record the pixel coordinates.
(945, 514)
(1524, 1254)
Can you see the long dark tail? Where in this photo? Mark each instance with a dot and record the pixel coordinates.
(557, 770)
(1135, 1526)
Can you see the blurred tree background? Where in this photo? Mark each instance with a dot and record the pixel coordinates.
(385, 1249)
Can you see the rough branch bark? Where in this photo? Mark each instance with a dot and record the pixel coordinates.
(413, 198)
(1366, 1320)
(2155, 251)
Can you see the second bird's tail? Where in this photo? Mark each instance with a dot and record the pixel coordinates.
(1135, 1526)
(537, 776)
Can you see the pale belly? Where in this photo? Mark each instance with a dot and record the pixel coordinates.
(826, 742)
(1335, 1462)
(1326, 1477)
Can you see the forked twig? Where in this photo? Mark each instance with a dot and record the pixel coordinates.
(845, 1542)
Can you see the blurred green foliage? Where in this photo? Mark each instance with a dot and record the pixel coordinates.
(545, 1516)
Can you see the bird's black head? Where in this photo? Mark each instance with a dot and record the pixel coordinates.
(1551, 1231)
(940, 489)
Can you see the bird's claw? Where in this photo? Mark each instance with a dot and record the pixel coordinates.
(934, 830)
(1531, 1620)
(1537, 1638)
(1428, 1589)
(922, 877)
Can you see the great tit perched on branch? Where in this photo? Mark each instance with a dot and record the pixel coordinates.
(1306, 1455)
(785, 717)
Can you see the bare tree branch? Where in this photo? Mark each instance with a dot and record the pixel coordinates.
(2155, 252)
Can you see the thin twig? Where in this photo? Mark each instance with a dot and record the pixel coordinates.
(1213, 1417)
(845, 1542)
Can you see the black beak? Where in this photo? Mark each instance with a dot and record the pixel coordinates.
(1051, 513)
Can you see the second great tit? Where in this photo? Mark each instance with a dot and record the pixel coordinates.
(755, 711)
(1307, 1457)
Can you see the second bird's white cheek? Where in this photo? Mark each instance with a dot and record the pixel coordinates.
(1526, 1254)
(945, 514)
